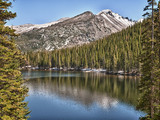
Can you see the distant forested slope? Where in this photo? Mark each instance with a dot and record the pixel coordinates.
(119, 51)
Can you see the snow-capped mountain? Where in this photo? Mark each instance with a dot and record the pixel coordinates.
(68, 32)
(114, 17)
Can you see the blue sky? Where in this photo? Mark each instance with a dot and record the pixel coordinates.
(44, 11)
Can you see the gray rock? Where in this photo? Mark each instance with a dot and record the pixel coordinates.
(81, 29)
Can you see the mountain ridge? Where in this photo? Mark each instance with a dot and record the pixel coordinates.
(69, 32)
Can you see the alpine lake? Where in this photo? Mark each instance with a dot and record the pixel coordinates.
(81, 96)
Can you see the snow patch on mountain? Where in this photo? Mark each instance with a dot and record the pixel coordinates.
(70, 32)
(28, 27)
(140, 20)
(108, 13)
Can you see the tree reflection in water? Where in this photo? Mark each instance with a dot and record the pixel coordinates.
(85, 88)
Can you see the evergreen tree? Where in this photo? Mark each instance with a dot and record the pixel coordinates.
(12, 93)
(149, 100)
(157, 66)
(116, 52)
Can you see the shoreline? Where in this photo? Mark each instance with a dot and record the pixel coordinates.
(136, 74)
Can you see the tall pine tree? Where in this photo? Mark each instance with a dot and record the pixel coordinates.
(12, 93)
(149, 100)
(157, 66)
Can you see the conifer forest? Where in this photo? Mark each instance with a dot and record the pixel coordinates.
(135, 49)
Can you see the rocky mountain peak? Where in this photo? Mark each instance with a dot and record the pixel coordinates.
(105, 11)
(69, 32)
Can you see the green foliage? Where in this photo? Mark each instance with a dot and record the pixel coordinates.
(12, 93)
(150, 59)
(119, 51)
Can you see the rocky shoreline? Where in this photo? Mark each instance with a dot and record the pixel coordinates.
(120, 72)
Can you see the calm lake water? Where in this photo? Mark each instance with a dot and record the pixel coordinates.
(81, 96)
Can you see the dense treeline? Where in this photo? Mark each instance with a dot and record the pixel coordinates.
(119, 51)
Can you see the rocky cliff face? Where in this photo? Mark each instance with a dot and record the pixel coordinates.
(69, 32)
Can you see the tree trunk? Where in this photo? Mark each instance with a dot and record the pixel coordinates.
(152, 59)
(159, 54)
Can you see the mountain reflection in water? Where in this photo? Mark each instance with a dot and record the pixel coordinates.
(85, 89)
